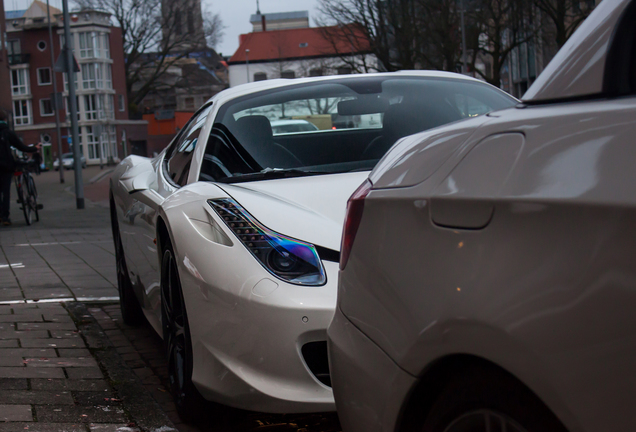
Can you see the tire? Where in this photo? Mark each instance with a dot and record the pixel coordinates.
(191, 406)
(130, 308)
(23, 199)
(474, 399)
(33, 197)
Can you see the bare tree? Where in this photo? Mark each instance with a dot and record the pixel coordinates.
(565, 15)
(155, 38)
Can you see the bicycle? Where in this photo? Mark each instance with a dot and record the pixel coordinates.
(27, 192)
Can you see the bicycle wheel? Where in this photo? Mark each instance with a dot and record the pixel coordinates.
(23, 199)
(33, 196)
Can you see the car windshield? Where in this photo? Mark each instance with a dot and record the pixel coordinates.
(335, 126)
(67, 156)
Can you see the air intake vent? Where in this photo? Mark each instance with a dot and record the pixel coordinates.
(315, 355)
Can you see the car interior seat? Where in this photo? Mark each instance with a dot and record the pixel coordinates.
(254, 133)
(412, 115)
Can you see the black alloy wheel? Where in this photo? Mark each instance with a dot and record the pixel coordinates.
(130, 308)
(190, 404)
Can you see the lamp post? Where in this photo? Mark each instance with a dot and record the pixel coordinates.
(464, 65)
(55, 101)
(247, 63)
(68, 49)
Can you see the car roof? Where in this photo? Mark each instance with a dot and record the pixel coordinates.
(578, 68)
(254, 87)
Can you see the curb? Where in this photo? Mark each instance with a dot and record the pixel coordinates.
(101, 175)
(136, 400)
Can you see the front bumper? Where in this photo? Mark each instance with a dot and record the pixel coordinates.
(369, 387)
(248, 339)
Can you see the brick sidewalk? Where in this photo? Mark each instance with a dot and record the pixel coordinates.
(48, 379)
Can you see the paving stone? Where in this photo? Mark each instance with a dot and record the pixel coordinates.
(30, 397)
(93, 398)
(66, 414)
(84, 373)
(13, 384)
(8, 343)
(47, 326)
(26, 317)
(68, 362)
(28, 352)
(11, 361)
(73, 352)
(52, 343)
(31, 334)
(143, 372)
(70, 385)
(42, 427)
(118, 428)
(65, 334)
(27, 372)
(57, 318)
(15, 413)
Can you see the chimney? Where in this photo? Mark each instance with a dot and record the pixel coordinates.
(263, 22)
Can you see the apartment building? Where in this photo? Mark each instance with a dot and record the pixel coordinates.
(106, 133)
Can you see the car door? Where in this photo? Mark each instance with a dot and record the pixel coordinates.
(168, 174)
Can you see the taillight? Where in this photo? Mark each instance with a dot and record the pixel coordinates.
(355, 205)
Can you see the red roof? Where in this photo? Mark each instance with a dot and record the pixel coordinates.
(300, 43)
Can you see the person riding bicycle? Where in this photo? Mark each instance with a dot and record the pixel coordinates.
(9, 139)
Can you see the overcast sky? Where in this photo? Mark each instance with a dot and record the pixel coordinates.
(234, 13)
(236, 16)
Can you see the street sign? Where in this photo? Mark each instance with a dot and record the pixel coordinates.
(69, 139)
(60, 63)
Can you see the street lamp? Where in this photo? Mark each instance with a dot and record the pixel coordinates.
(464, 65)
(247, 62)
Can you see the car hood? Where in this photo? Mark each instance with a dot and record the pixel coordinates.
(311, 209)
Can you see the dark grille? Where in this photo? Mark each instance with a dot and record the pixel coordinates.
(315, 355)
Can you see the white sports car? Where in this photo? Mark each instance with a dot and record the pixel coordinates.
(228, 241)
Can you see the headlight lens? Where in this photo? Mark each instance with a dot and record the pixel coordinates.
(289, 259)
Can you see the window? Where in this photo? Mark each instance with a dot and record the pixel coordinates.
(87, 42)
(13, 47)
(68, 108)
(66, 80)
(288, 74)
(105, 106)
(19, 82)
(344, 70)
(90, 107)
(46, 107)
(260, 76)
(179, 158)
(109, 76)
(44, 76)
(22, 112)
(122, 103)
(88, 76)
(93, 143)
(41, 45)
(315, 72)
(106, 46)
(188, 103)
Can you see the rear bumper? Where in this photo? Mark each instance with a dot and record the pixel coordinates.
(369, 388)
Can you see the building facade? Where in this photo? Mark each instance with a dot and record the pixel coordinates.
(5, 74)
(298, 51)
(106, 133)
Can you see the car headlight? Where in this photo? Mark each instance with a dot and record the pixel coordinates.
(289, 259)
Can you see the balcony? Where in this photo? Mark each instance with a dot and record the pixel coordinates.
(16, 59)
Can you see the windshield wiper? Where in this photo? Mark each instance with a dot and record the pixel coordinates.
(271, 174)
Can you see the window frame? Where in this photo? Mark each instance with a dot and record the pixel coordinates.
(20, 89)
(19, 120)
(175, 142)
(42, 114)
(40, 83)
